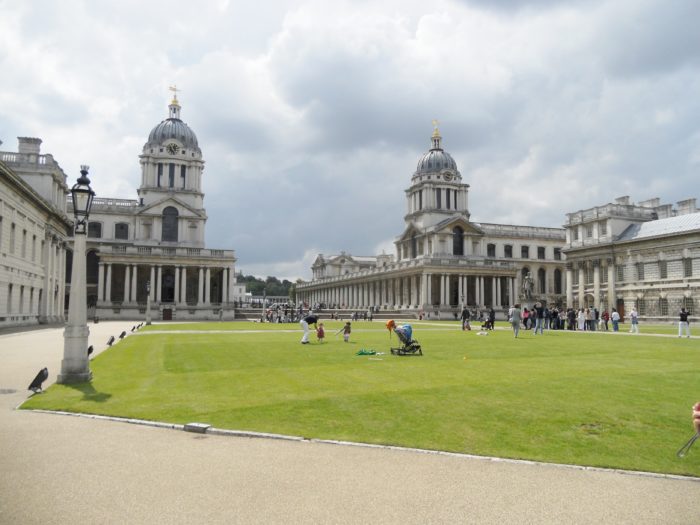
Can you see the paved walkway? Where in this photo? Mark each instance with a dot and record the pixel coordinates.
(62, 469)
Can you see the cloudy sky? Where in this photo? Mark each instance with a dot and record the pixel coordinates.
(311, 115)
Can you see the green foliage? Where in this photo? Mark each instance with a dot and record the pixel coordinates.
(271, 286)
(609, 400)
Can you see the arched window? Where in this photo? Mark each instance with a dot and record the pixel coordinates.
(457, 241)
(169, 233)
(557, 281)
(121, 231)
(541, 280)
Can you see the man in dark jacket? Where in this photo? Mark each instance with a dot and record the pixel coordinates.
(305, 322)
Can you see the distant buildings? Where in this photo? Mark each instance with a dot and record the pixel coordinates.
(623, 255)
(444, 260)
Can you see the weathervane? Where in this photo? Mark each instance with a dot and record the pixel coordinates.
(174, 89)
(436, 132)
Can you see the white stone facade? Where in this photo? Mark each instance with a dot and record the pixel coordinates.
(647, 256)
(159, 239)
(34, 229)
(443, 260)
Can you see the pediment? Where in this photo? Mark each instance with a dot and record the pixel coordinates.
(157, 207)
(451, 223)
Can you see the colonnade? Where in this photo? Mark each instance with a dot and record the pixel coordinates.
(51, 303)
(609, 287)
(414, 291)
(154, 273)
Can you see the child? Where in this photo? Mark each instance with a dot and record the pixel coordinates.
(346, 332)
(320, 333)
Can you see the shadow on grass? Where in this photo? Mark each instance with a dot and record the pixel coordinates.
(89, 392)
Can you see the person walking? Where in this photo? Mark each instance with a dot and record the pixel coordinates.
(634, 320)
(683, 323)
(615, 318)
(466, 317)
(514, 318)
(539, 318)
(310, 319)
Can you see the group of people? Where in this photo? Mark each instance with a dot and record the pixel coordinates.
(312, 319)
(487, 319)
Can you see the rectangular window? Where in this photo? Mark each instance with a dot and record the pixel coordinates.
(589, 230)
(589, 274)
(12, 238)
(0, 233)
(24, 244)
(438, 198)
(574, 278)
(171, 175)
(491, 250)
(525, 252)
(447, 199)
(641, 305)
(663, 270)
(557, 254)
(508, 251)
(420, 200)
(160, 173)
(183, 175)
(687, 267)
(688, 304)
(640, 271)
(663, 306)
(603, 228)
(604, 275)
(33, 248)
(574, 233)
(619, 273)
(540, 252)
(9, 298)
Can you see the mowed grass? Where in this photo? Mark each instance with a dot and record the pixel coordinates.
(608, 400)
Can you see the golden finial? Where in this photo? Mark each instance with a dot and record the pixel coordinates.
(174, 89)
(436, 131)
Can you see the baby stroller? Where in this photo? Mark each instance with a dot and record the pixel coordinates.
(409, 346)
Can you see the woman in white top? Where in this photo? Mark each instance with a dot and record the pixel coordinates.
(581, 319)
(634, 319)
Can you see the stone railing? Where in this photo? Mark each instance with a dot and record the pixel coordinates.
(27, 158)
(507, 230)
(201, 253)
(610, 210)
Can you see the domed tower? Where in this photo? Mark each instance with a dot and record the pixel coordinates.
(171, 162)
(172, 203)
(437, 191)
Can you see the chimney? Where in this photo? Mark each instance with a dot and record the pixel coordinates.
(29, 145)
(664, 211)
(623, 200)
(686, 206)
(651, 203)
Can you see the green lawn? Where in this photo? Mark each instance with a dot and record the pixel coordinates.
(609, 400)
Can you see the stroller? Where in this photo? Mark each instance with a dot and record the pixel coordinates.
(409, 346)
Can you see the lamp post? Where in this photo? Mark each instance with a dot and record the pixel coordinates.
(148, 303)
(75, 367)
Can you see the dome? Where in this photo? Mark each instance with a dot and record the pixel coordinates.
(437, 159)
(173, 128)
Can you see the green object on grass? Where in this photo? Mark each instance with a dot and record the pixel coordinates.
(364, 351)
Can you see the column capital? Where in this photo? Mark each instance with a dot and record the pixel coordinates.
(595, 263)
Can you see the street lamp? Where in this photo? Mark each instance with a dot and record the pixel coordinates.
(148, 303)
(75, 367)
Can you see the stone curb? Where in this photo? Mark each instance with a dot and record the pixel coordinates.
(264, 435)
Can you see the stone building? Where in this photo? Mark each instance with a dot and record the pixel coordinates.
(159, 238)
(444, 260)
(33, 233)
(623, 255)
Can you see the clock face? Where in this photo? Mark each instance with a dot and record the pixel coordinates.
(447, 176)
(173, 148)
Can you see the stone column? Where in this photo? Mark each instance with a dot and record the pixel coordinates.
(612, 292)
(200, 291)
(581, 283)
(101, 282)
(183, 286)
(494, 294)
(207, 287)
(134, 283)
(569, 285)
(108, 289)
(176, 299)
(231, 283)
(153, 283)
(596, 283)
(127, 282)
(497, 302)
(159, 283)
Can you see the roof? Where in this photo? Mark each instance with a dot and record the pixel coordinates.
(673, 225)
